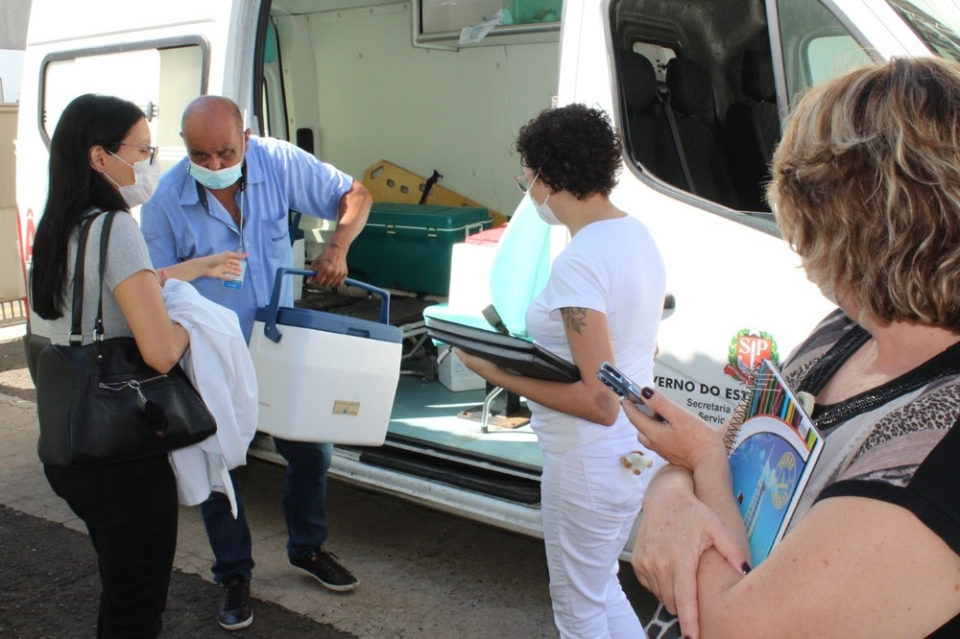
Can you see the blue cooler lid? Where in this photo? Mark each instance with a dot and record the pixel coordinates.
(330, 323)
(274, 315)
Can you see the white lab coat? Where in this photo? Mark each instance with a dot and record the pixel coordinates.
(219, 365)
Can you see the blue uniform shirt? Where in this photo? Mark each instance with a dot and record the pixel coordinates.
(280, 177)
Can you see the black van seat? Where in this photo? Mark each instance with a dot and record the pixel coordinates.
(648, 129)
(644, 115)
(753, 129)
(697, 134)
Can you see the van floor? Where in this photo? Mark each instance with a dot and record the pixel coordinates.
(427, 412)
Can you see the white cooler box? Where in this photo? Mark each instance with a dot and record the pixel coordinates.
(325, 377)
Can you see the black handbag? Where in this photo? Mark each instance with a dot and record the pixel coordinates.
(101, 403)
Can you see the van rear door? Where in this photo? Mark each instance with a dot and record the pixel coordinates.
(158, 56)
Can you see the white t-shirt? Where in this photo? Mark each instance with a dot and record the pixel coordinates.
(613, 267)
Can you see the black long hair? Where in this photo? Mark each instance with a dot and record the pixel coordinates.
(74, 188)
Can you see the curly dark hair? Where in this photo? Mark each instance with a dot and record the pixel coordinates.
(572, 148)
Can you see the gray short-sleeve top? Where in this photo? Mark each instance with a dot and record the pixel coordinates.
(126, 254)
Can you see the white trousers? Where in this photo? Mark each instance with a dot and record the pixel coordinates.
(589, 502)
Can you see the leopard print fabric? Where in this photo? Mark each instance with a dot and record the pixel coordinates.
(663, 625)
(934, 409)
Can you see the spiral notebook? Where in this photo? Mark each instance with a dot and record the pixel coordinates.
(771, 460)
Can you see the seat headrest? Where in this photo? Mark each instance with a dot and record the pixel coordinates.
(691, 91)
(639, 81)
(757, 76)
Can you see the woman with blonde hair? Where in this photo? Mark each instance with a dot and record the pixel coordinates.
(866, 189)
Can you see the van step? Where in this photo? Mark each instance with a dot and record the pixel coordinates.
(488, 482)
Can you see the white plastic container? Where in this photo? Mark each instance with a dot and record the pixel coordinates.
(455, 375)
(328, 378)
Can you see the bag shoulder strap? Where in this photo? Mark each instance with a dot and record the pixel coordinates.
(104, 243)
(76, 318)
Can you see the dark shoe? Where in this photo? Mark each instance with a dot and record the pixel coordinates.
(324, 567)
(235, 612)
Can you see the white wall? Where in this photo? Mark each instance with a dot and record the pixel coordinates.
(454, 111)
(11, 275)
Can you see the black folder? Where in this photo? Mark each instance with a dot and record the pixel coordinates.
(516, 355)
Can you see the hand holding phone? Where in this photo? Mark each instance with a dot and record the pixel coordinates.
(624, 387)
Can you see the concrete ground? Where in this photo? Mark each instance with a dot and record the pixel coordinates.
(422, 573)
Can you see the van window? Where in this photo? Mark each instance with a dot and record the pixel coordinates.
(533, 11)
(935, 22)
(455, 24)
(816, 45)
(273, 108)
(161, 81)
(439, 16)
(697, 100)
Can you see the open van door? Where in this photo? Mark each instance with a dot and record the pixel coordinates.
(699, 90)
(159, 58)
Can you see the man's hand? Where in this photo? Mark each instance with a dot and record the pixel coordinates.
(352, 213)
(330, 266)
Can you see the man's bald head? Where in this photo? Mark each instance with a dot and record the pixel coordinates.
(212, 130)
(214, 107)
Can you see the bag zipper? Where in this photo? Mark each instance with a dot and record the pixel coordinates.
(135, 384)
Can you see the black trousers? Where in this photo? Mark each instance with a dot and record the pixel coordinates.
(130, 510)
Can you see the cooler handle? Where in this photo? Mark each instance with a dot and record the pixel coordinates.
(270, 325)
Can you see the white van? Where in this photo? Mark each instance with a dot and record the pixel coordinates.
(698, 88)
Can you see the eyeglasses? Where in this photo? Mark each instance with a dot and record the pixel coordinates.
(523, 184)
(152, 150)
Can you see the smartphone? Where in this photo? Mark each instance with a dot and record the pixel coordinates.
(624, 387)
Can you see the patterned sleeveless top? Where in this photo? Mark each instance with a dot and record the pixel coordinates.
(896, 443)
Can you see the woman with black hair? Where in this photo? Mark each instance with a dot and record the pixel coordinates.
(602, 302)
(101, 159)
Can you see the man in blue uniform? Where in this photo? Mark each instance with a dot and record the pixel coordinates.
(233, 192)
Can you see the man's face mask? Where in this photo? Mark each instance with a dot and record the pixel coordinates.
(216, 180)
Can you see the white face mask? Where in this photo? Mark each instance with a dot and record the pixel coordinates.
(219, 179)
(145, 178)
(543, 210)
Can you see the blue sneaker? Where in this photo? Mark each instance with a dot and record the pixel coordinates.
(324, 567)
(235, 612)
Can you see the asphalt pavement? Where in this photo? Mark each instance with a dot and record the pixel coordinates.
(422, 573)
(49, 587)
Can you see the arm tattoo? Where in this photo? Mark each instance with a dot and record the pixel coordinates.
(574, 317)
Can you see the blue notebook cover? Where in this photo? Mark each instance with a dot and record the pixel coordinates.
(771, 460)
